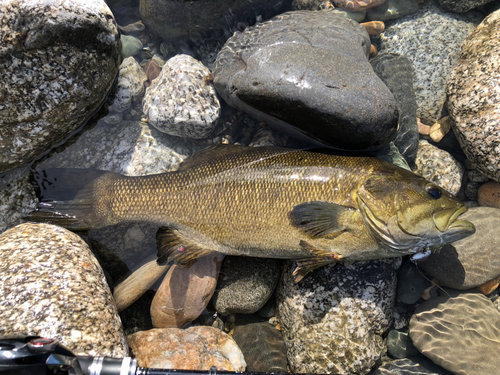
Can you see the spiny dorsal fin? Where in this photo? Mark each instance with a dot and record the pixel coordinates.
(319, 219)
(174, 247)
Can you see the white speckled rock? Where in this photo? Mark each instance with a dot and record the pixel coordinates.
(58, 60)
(431, 39)
(333, 320)
(52, 286)
(474, 93)
(132, 148)
(438, 166)
(182, 101)
(130, 87)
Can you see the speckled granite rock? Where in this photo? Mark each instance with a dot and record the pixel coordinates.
(130, 86)
(54, 287)
(132, 148)
(417, 365)
(245, 284)
(433, 52)
(182, 101)
(462, 5)
(287, 74)
(474, 113)
(392, 9)
(396, 72)
(58, 60)
(438, 166)
(471, 261)
(332, 320)
(459, 333)
(196, 348)
(263, 347)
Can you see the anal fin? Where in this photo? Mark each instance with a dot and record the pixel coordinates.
(174, 246)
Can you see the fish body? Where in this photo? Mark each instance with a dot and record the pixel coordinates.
(266, 202)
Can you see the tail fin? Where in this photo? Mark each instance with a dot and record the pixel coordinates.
(67, 197)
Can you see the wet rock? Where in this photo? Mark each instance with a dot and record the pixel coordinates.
(473, 260)
(268, 137)
(131, 46)
(438, 166)
(433, 54)
(411, 283)
(471, 190)
(374, 27)
(475, 176)
(396, 72)
(182, 100)
(440, 129)
(357, 5)
(245, 284)
(399, 344)
(262, 346)
(58, 61)
(152, 70)
(489, 194)
(54, 287)
(355, 16)
(303, 74)
(130, 86)
(196, 348)
(135, 28)
(185, 292)
(312, 5)
(335, 314)
(459, 333)
(474, 114)
(462, 5)
(417, 365)
(392, 9)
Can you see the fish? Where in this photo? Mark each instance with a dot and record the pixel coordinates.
(310, 206)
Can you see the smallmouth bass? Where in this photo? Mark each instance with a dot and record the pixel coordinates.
(267, 202)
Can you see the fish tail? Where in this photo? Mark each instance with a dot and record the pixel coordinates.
(70, 197)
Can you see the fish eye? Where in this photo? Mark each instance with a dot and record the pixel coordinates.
(433, 191)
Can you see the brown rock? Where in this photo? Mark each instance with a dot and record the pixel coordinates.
(152, 70)
(489, 194)
(357, 5)
(185, 292)
(490, 286)
(197, 348)
(440, 129)
(422, 128)
(374, 27)
(373, 51)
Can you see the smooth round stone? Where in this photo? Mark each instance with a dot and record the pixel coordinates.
(489, 194)
(473, 94)
(52, 286)
(288, 74)
(399, 344)
(262, 346)
(245, 284)
(417, 365)
(460, 333)
(471, 261)
(411, 283)
(131, 46)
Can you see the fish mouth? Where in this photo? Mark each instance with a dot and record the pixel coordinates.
(446, 221)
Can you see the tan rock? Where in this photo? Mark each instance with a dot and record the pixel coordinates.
(374, 27)
(185, 292)
(440, 129)
(197, 348)
(422, 128)
(357, 5)
(489, 194)
(373, 51)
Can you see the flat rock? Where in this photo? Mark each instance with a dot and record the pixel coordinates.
(475, 114)
(433, 53)
(417, 365)
(58, 61)
(54, 287)
(471, 261)
(335, 314)
(291, 76)
(196, 348)
(459, 333)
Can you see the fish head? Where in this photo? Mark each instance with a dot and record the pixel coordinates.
(408, 213)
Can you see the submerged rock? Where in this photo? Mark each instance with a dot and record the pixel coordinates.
(417, 365)
(288, 72)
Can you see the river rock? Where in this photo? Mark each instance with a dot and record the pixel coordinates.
(130, 86)
(54, 287)
(312, 4)
(357, 5)
(396, 72)
(185, 292)
(473, 94)
(196, 348)
(262, 346)
(460, 333)
(416, 365)
(399, 344)
(245, 284)
(58, 61)
(392, 9)
(471, 261)
(182, 100)
(291, 76)
(411, 283)
(433, 53)
(333, 319)
(489, 194)
(438, 166)
(462, 5)
(131, 46)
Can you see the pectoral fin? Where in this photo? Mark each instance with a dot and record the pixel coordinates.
(319, 258)
(176, 246)
(319, 219)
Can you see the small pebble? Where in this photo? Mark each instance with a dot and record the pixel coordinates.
(374, 27)
(422, 128)
(488, 194)
(440, 129)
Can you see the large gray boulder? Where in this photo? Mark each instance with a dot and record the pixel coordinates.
(58, 60)
(307, 73)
